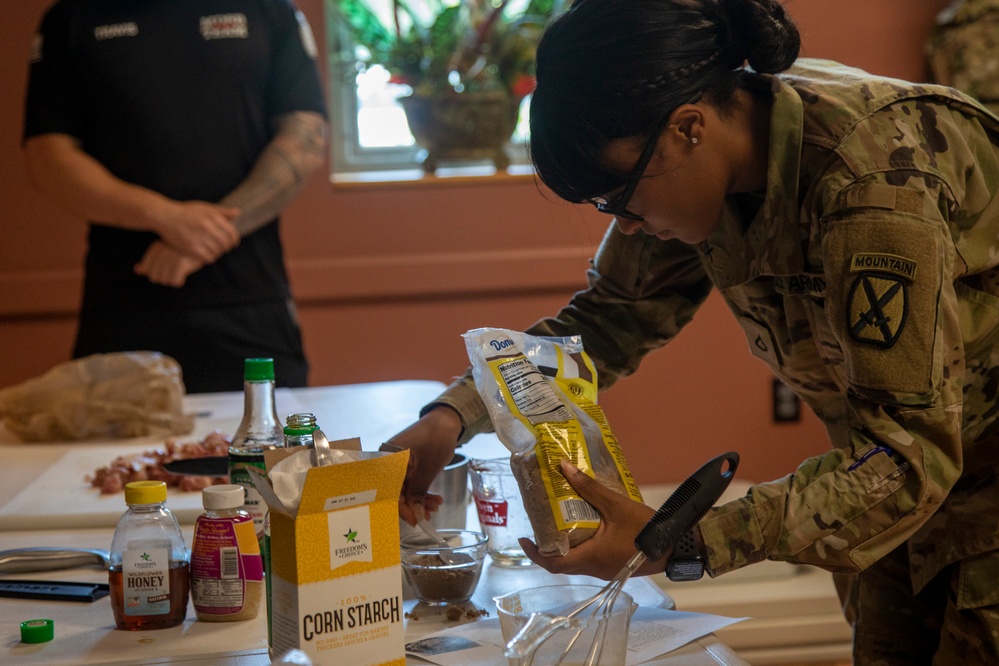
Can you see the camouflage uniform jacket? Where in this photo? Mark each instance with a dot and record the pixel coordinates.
(962, 51)
(866, 278)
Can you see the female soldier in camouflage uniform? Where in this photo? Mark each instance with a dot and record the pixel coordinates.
(851, 224)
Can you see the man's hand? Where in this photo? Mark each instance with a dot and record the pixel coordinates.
(60, 168)
(431, 442)
(162, 264)
(607, 551)
(200, 230)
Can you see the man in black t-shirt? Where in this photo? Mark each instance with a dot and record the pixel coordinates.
(180, 131)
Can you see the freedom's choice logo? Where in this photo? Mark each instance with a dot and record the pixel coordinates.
(350, 536)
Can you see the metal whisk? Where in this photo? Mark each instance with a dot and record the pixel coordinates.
(679, 513)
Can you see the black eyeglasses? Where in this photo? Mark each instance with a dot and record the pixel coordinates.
(618, 206)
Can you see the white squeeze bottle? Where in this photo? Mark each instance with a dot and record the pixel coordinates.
(227, 573)
(259, 430)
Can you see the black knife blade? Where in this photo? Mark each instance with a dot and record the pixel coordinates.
(207, 466)
(51, 590)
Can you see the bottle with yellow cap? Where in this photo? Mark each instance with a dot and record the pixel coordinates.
(149, 575)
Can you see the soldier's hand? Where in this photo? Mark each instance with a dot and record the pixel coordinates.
(431, 442)
(603, 554)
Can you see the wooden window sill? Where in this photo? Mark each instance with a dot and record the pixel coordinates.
(443, 177)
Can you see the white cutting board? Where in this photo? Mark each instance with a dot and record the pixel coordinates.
(60, 497)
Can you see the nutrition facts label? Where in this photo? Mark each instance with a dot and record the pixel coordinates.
(533, 395)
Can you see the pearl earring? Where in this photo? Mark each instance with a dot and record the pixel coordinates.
(693, 139)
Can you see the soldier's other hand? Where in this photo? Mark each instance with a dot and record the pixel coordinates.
(603, 554)
(431, 442)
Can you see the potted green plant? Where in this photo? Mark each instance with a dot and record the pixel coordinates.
(468, 63)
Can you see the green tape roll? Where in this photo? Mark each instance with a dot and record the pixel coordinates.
(37, 631)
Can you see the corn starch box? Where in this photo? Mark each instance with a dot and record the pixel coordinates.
(336, 584)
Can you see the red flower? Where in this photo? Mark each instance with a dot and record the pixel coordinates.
(522, 86)
(399, 79)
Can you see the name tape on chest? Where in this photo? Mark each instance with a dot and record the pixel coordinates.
(804, 284)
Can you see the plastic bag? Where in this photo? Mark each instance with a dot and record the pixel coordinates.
(118, 395)
(541, 395)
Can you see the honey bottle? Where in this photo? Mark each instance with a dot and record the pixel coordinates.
(148, 565)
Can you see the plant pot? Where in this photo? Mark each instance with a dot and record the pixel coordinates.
(462, 126)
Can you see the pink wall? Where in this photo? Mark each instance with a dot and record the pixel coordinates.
(388, 277)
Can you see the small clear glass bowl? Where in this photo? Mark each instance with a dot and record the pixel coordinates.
(434, 579)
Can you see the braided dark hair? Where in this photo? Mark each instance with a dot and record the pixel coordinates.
(611, 69)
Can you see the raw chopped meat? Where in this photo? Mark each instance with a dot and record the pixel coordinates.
(148, 465)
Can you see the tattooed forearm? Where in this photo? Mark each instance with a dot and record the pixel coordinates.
(297, 150)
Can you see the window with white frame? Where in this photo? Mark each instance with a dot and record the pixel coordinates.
(368, 125)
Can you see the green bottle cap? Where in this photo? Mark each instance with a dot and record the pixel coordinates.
(37, 631)
(258, 370)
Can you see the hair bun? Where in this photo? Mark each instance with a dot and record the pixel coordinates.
(758, 31)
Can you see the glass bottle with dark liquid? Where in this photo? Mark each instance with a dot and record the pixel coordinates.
(148, 575)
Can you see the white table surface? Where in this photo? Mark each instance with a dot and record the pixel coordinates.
(85, 633)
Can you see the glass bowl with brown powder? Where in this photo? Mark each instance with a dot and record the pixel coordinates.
(440, 576)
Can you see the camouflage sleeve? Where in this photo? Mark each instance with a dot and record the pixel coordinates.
(641, 292)
(895, 311)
